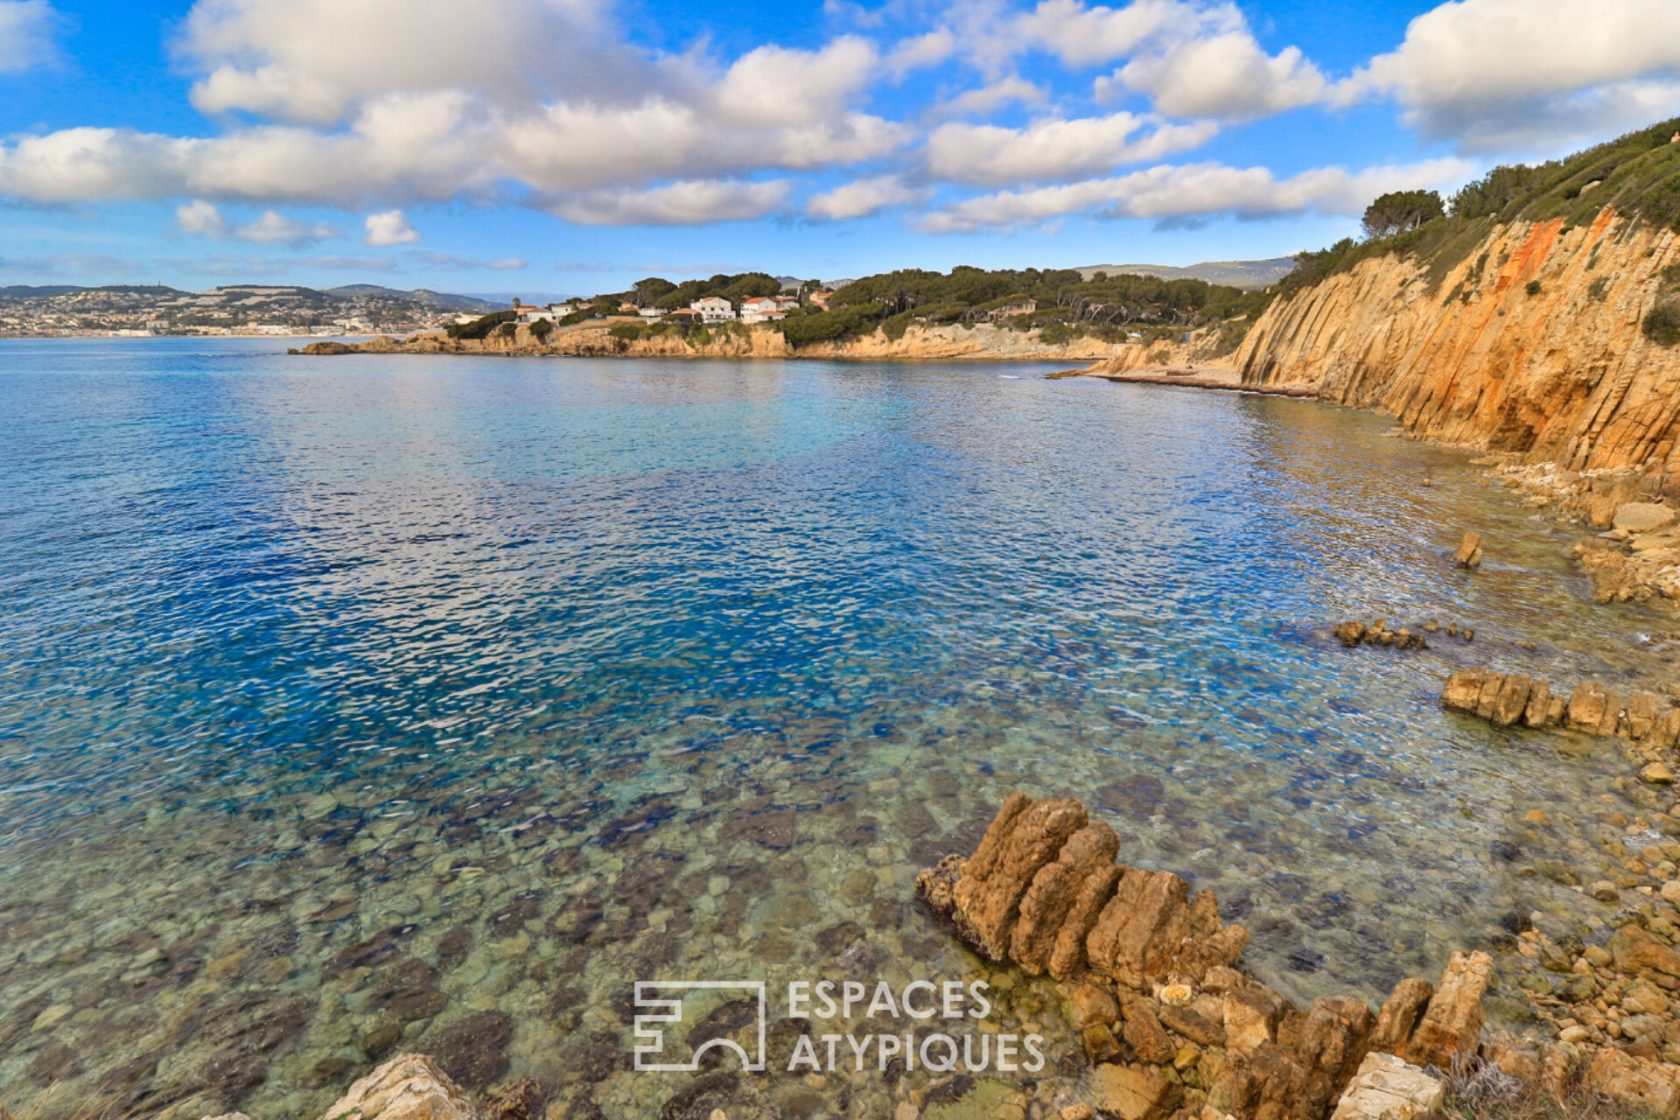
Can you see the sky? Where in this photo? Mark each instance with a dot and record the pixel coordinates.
(575, 146)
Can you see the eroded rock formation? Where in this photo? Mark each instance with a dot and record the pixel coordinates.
(1168, 1021)
(1643, 719)
(1531, 343)
(1354, 633)
(408, 1087)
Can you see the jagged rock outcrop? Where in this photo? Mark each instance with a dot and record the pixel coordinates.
(1354, 633)
(1469, 554)
(1450, 1028)
(408, 1087)
(1645, 719)
(1531, 343)
(1042, 890)
(1167, 1020)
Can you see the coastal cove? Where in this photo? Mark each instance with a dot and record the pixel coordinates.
(395, 704)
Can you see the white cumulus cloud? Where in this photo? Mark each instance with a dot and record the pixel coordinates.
(861, 198)
(203, 219)
(1501, 74)
(1054, 148)
(314, 60)
(690, 202)
(28, 31)
(389, 227)
(992, 97)
(1087, 35)
(1195, 191)
(200, 219)
(1225, 75)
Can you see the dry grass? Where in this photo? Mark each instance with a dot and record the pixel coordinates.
(1484, 1092)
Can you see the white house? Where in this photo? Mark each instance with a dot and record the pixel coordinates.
(714, 309)
(652, 313)
(761, 310)
(530, 314)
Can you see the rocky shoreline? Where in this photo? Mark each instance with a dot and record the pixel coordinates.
(967, 342)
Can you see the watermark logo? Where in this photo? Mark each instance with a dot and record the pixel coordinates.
(834, 1013)
(661, 1002)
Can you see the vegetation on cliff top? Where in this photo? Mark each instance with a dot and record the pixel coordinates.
(1060, 303)
(1638, 174)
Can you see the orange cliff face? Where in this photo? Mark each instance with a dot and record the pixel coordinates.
(1560, 373)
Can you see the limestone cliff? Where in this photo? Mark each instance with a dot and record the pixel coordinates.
(1530, 344)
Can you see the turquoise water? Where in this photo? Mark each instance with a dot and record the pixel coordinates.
(402, 702)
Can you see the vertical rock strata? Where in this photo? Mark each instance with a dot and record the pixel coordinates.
(1648, 724)
(1169, 1023)
(1531, 343)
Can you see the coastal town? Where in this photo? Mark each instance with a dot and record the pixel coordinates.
(150, 310)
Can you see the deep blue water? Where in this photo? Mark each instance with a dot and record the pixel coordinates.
(280, 635)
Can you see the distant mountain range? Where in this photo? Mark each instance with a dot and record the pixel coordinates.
(1238, 274)
(496, 301)
(425, 297)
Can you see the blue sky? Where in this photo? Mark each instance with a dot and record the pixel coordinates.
(557, 146)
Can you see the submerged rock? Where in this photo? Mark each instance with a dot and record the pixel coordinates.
(1354, 633)
(474, 1049)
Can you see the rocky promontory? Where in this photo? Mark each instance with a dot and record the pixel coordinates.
(936, 342)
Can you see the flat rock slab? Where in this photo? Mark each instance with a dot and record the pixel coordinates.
(1387, 1088)
(1644, 517)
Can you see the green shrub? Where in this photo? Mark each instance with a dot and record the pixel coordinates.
(481, 327)
(842, 322)
(1059, 334)
(1662, 323)
(1532, 287)
(541, 329)
(1599, 288)
(1671, 274)
(629, 332)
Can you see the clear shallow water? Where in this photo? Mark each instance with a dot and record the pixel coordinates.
(359, 703)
